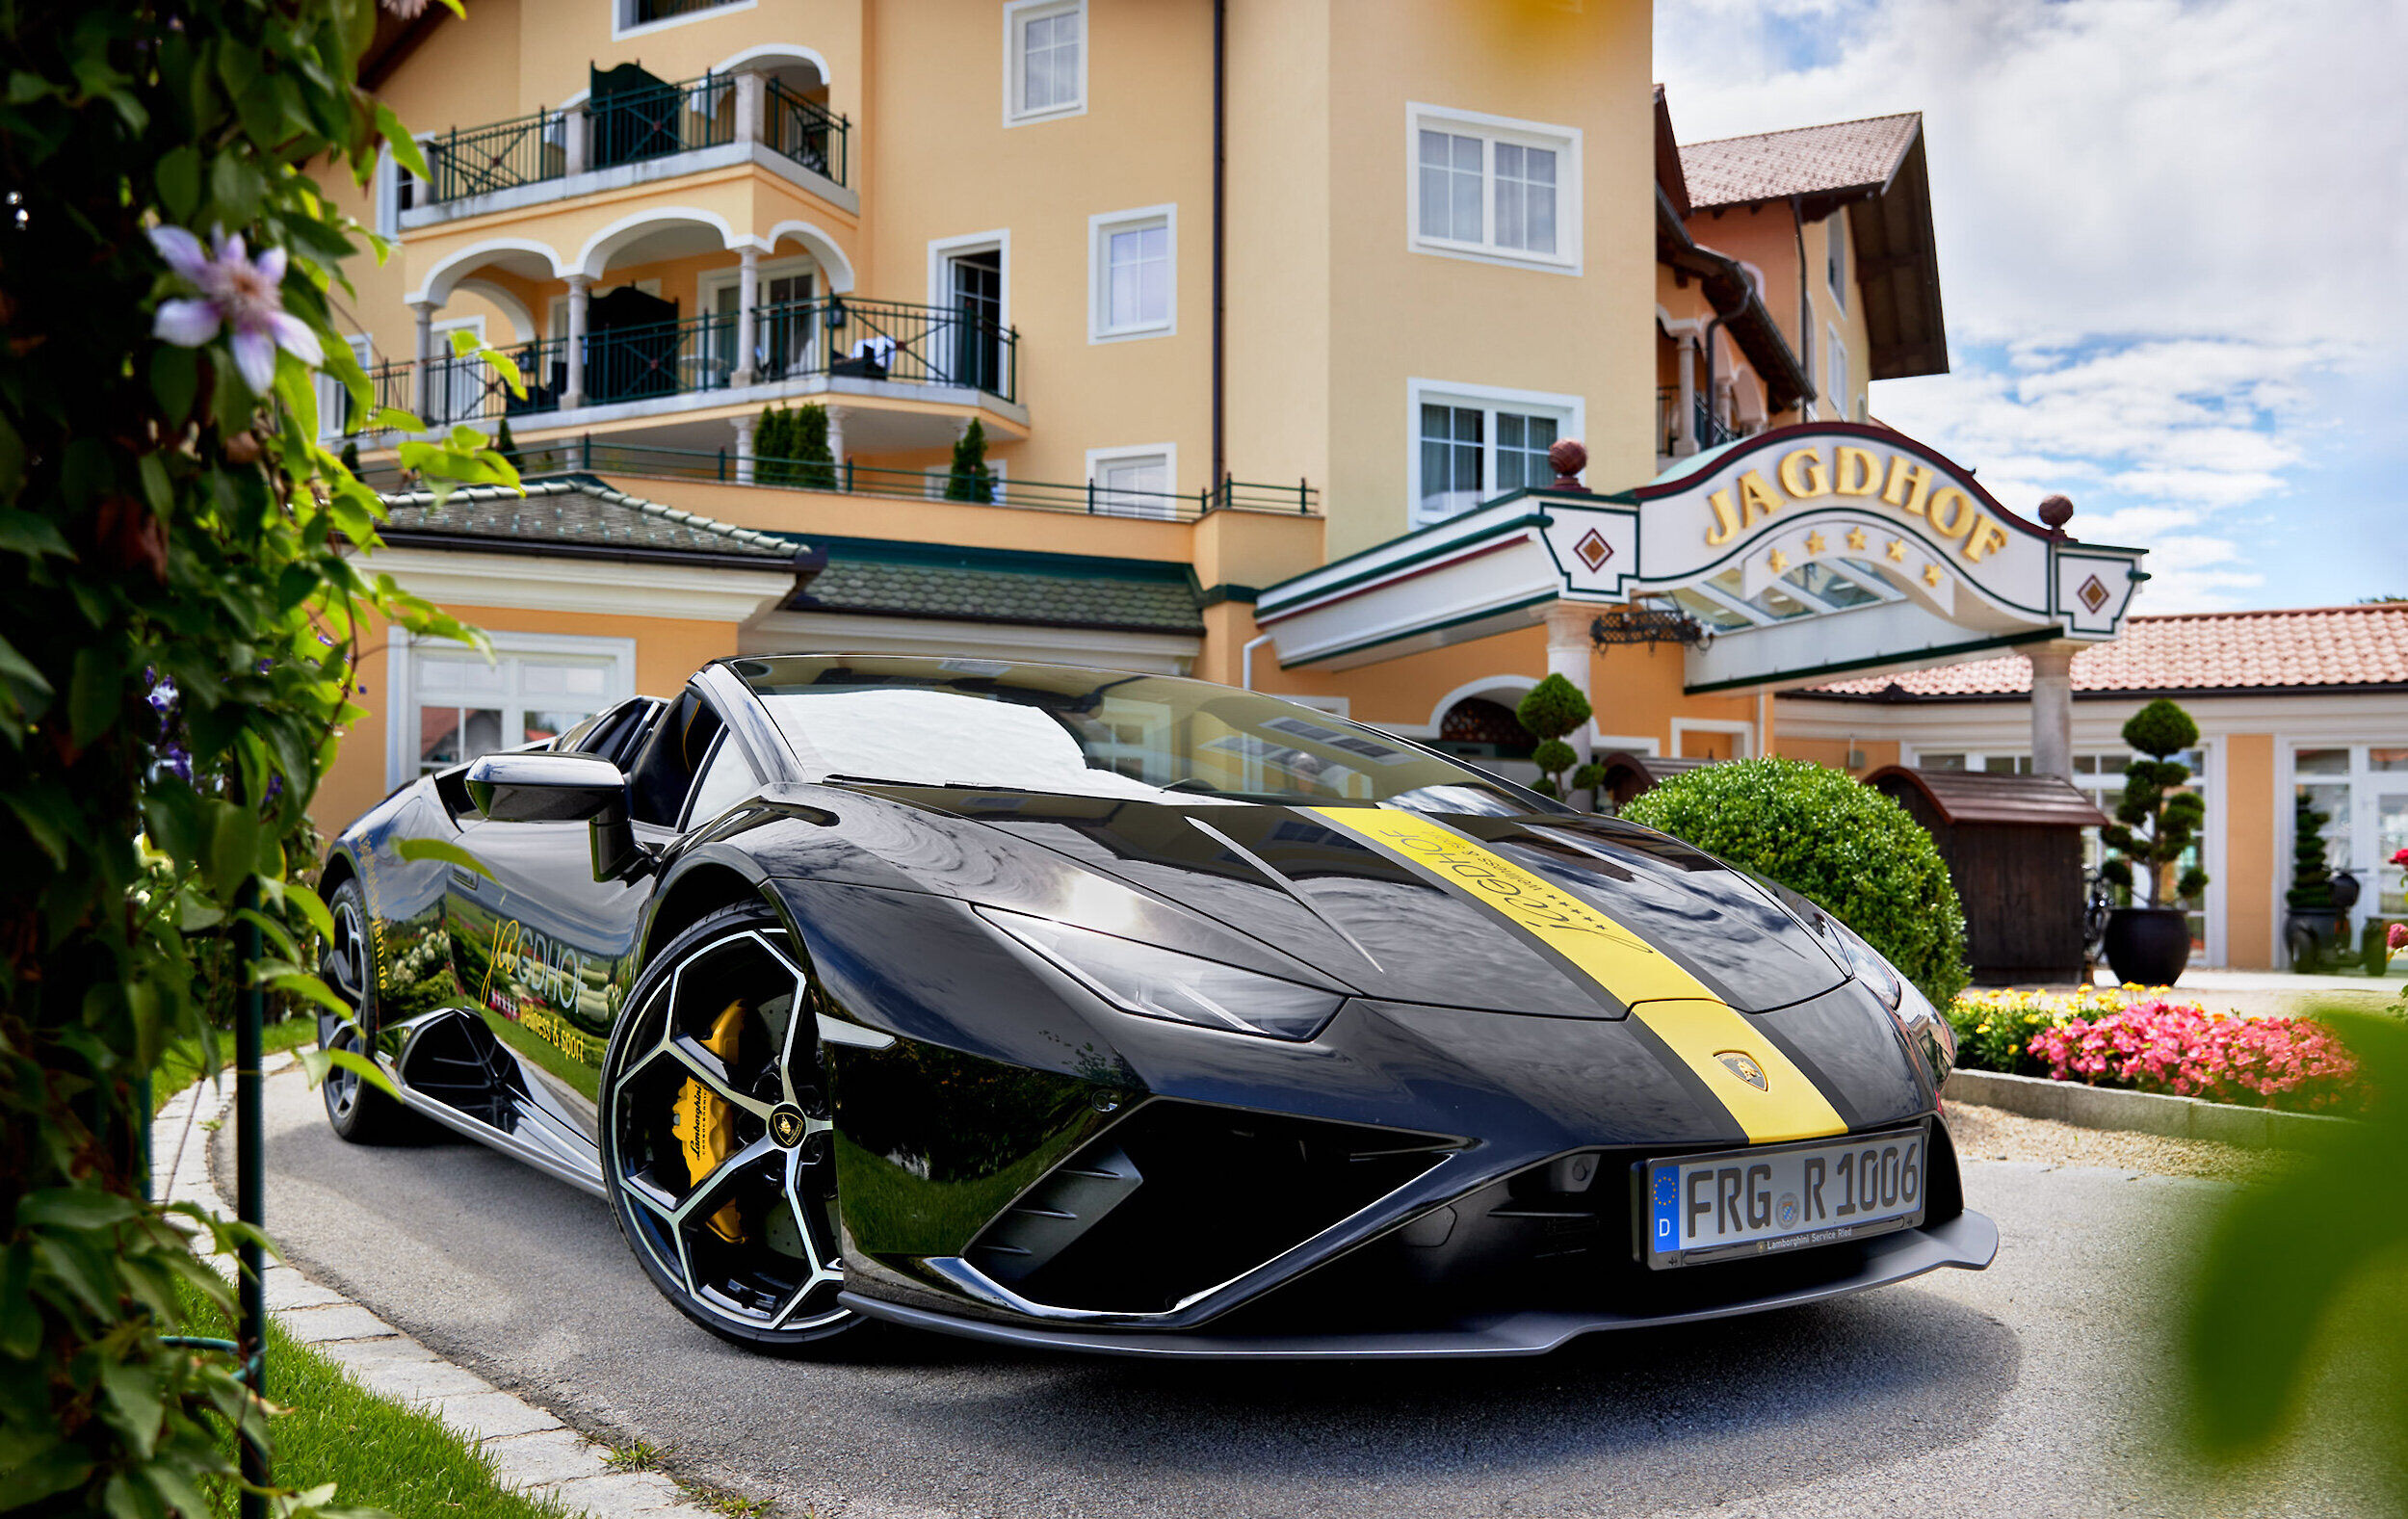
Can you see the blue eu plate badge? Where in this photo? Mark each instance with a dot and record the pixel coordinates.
(1664, 1195)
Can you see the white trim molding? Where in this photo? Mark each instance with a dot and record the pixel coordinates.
(1100, 229)
(1571, 413)
(1745, 732)
(941, 250)
(622, 28)
(401, 686)
(1169, 452)
(1492, 131)
(1017, 14)
(543, 583)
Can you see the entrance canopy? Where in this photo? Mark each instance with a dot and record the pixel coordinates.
(1796, 555)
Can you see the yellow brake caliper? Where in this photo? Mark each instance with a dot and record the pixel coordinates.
(705, 1122)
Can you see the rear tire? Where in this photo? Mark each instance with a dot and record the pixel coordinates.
(356, 1112)
(715, 1069)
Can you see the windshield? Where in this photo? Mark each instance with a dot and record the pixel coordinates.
(990, 724)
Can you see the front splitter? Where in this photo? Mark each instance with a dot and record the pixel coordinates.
(1969, 1241)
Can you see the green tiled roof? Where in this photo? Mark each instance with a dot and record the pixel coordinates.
(927, 580)
(578, 512)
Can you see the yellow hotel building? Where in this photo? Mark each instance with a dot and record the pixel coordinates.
(1270, 313)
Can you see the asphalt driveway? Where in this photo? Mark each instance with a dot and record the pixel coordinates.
(2025, 1391)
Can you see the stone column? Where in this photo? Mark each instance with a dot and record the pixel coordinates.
(2052, 708)
(573, 140)
(751, 122)
(421, 401)
(573, 388)
(836, 438)
(747, 296)
(743, 426)
(1685, 420)
(1569, 651)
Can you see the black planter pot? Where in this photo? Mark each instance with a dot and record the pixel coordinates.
(2314, 935)
(2148, 945)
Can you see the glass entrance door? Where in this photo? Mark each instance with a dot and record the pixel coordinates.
(781, 326)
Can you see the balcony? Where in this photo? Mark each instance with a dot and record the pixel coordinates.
(633, 128)
(831, 347)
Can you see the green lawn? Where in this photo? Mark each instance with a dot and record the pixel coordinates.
(180, 1065)
(380, 1453)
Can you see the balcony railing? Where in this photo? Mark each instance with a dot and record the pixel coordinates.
(726, 466)
(630, 127)
(804, 131)
(837, 336)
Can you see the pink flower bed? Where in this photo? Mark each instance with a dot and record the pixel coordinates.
(2182, 1048)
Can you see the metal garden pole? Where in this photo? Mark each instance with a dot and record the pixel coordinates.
(249, 1202)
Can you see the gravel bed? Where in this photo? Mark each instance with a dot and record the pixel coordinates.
(1993, 1133)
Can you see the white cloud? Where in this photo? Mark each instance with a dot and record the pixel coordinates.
(2165, 229)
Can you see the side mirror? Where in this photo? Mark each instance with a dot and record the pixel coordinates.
(560, 788)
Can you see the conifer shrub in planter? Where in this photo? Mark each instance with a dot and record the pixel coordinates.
(2154, 825)
(1845, 847)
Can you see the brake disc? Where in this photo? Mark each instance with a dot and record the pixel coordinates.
(705, 1122)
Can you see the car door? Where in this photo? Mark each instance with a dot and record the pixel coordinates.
(544, 951)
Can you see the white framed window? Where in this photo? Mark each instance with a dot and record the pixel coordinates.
(1132, 273)
(636, 17)
(1493, 188)
(1135, 482)
(1471, 443)
(335, 400)
(1839, 407)
(1044, 60)
(448, 705)
(1835, 245)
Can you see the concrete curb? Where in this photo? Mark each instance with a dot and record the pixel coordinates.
(2137, 1112)
(530, 1450)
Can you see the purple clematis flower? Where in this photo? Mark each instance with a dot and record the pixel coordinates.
(239, 293)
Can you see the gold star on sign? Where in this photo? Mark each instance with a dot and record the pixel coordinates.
(1898, 550)
(1856, 539)
(1813, 542)
(1931, 574)
(1779, 562)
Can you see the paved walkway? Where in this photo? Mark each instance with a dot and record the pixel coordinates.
(2264, 994)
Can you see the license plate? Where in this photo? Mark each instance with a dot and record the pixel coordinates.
(1699, 1208)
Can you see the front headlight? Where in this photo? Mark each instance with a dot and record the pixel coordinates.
(1163, 984)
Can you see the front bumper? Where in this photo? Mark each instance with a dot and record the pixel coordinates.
(1968, 1240)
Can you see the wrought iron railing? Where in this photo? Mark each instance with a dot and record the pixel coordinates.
(726, 466)
(634, 125)
(1712, 431)
(837, 336)
(480, 160)
(804, 131)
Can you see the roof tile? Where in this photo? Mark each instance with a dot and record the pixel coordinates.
(1801, 160)
(2308, 647)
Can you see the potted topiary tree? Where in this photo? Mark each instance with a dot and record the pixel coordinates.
(1552, 709)
(2155, 823)
(816, 469)
(2315, 920)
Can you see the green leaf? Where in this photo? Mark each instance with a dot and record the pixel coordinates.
(180, 182)
(74, 1208)
(318, 1063)
(440, 850)
(233, 847)
(301, 984)
(312, 907)
(405, 146)
(17, 667)
(20, 1322)
(133, 1391)
(92, 699)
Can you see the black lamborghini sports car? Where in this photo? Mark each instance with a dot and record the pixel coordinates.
(1122, 1012)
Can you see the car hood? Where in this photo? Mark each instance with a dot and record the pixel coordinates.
(1302, 892)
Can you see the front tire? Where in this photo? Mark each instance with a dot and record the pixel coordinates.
(357, 1112)
(717, 1149)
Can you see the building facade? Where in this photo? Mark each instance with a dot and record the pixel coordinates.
(1270, 316)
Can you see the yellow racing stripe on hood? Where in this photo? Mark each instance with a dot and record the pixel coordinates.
(1660, 993)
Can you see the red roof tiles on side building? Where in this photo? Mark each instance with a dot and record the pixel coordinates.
(1802, 161)
(2308, 649)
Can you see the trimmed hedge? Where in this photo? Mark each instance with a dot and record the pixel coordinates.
(1851, 850)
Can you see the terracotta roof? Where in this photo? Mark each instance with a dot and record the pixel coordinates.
(2326, 648)
(576, 513)
(1802, 161)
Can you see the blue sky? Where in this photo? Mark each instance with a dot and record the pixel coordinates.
(2174, 253)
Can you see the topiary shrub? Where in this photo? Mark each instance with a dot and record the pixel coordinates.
(969, 479)
(1552, 709)
(1845, 847)
(2157, 822)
